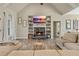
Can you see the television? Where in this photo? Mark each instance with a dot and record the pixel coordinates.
(39, 19)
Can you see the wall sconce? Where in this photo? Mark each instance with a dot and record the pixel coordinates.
(19, 20)
(24, 23)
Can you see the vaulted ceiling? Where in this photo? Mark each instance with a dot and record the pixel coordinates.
(60, 8)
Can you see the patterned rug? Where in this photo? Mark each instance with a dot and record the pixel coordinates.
(33, 44)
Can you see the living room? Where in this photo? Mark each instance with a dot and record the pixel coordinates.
(39, 29)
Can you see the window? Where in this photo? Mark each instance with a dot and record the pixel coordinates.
(68, 24)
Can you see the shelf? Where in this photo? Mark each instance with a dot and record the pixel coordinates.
(31, 25)
(30, 33)
(31, 30)
(48, 27)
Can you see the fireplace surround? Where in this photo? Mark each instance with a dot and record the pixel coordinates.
(39, 33)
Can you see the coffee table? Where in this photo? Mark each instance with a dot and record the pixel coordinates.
(39, 45)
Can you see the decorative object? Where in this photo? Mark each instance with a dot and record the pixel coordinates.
(24, 23)
(75, 24)
(19, 20)
(39, 19)
(68, 24)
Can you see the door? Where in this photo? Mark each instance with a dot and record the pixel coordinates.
(10, 27)
(56, 29)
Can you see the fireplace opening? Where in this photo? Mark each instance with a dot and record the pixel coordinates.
(39, 32)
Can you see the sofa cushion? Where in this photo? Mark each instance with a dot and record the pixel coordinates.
(4, 50)
(46, 53)
(72, 46)
(69, 37)
(21, 53)
(69, 52)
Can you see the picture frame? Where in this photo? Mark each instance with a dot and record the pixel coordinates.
(75, 24)
(19, 20)
(24, 23)
(68, 24)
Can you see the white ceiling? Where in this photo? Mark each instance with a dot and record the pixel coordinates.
(61, 8)
(17, 7)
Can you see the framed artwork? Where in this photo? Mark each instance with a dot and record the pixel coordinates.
(75, 24)
(24, 23)
(19, 20)
(68, 24)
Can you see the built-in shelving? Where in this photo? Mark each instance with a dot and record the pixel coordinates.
(47, 26)
(30, 26)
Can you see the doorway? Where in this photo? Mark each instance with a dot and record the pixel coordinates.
(56, 29)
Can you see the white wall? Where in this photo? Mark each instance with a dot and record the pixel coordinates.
(37, 10)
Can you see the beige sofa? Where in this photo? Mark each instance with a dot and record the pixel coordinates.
(7, 47)
(21, 53)
(44, 53)
(68, 52)
(34, 53)
(68, 41)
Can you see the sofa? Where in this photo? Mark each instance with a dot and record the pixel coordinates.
(44, 53)
(7, 47)
(68, 41)
(34, 53)
(68, 52)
